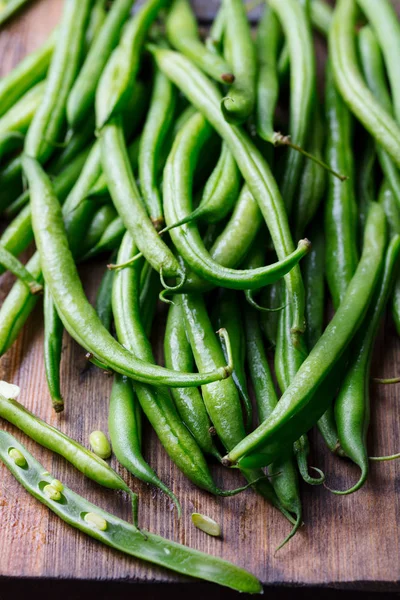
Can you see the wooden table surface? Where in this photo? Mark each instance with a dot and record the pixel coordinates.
(346, 541)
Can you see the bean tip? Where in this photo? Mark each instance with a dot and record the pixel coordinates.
(228, 77)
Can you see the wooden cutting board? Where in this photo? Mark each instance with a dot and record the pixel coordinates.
(350, 540)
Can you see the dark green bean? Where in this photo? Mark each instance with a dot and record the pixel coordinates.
(53, 336)
(124, 426)
(340, 208)
(286, 484)
(110, 240)
(352, 407)
(104, 299)
(392, 212)
(118, 534)
(101, 220)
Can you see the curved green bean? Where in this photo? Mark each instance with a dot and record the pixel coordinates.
(53, 335)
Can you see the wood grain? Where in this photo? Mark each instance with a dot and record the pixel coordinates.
(345, 541)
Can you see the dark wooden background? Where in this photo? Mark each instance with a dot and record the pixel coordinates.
(347, 542)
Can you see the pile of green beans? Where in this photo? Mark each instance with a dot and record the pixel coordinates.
(200, 176)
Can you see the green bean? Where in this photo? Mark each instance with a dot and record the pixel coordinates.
(49, 118)
(53, 335)
(177, 195)
(286, 485)
(268, 37)
(63, 183)
(374, 71)
(128, 202)
(386, 26)
(100, 188)
(321, 16)
(110, 240)
(203, 94)
(288, 360)
(300, 408)
(392, 212)
(104, 299)
(118, 78)
(227, 314)
(124, 425)
(352, 409)
(10, 183)
(350, 83)
(366, 192)
(26, 74)
(17, 306)
(18, 118)
(79, 318)
(340, 209)
(189, 403)
(149, 291)
(156, 127)
(240, 50)
(312, 182)
(182, 34)
(82, 95)
(102, 218)
(98, 15)
(302, 86)
(12, 264)
(53, 439)
(120, 535)
(222, 401)
(271, 298)
(9, 8)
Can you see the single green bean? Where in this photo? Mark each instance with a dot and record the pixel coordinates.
(239, 48)
(114, 532)
(82, 95)
(110, 240)
(349, 81)
(340, 208)
(98, 15)
(101, 220)
(182, 34)
(53, 336)
(156, 127)
(100, 188)
(49, 119)
(392, 212)
(127, 200)
(104, 299)
(300, 408)
(352, 408)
